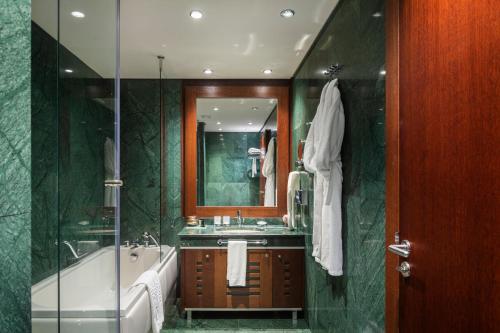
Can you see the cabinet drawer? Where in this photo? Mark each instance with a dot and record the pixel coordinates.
(288, 278)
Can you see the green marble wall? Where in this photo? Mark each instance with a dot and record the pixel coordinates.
(140, 154)
(140, 158)
(172, 223)
(44, 154)
(227, 169)
(354, 38)
(15, 165)
(67, 153)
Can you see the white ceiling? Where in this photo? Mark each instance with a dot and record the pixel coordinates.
(235, 38)
(234, 113)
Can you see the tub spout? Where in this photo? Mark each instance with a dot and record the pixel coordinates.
(147, 236)
(74, 253)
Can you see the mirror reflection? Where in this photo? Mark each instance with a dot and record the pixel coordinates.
(236, 150)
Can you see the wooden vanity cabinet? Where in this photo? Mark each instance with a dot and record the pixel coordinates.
(288, 278)
(198, 278)
(275, 279)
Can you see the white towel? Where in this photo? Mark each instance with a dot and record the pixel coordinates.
(152, 281)
(237, 263)
(293, 185)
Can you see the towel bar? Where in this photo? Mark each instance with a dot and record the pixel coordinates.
(221, 242)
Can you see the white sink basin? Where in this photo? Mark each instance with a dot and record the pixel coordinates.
(240, 231)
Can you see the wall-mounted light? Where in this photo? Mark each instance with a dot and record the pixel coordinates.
(68, 70)
(382, 72)
(267, 71)
(218, 123)
(377, 14)
(207, 71)
(215, 108)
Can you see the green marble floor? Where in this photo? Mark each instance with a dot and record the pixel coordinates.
(217, 322)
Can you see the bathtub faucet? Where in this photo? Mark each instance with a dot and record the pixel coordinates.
(76, 255)
(147, 236)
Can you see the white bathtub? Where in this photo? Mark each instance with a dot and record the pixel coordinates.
(88, 292)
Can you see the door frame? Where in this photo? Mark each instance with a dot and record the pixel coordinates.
(392, 164)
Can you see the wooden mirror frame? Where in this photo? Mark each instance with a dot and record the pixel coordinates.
(194, 89)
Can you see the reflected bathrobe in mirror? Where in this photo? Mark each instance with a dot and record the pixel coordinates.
(268, 171)
(322, 158)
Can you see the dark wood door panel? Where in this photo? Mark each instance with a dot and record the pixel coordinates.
(449, 164)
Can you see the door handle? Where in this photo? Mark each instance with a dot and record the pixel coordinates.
(402, 249)
(113, 183)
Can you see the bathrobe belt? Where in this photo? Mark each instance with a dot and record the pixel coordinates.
(329, 176)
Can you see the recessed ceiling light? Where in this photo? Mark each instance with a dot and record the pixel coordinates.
(68, 70)
(215, 109)
(78, 14)
(196, 14)
(382, 72)
(218, 123)
(287, 13)
(250, 123)
(377, 14)
(271, 101)
(267, 71)
(207, 71)
(220, 129)
(255, 108)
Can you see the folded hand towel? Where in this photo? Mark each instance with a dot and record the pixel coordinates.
(237, 263)
(152, 281)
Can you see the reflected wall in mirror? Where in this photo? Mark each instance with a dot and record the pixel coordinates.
(236, 147)
(236, 150)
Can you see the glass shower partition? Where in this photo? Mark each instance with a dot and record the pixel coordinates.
(88, 166)
(75, 154)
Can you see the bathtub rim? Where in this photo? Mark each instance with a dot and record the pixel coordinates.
(127, 300)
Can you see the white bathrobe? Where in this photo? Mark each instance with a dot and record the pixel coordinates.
(322, 157)
(268, 171)
(109, 172)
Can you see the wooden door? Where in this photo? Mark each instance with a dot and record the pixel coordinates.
(288, 278)
(197, 278)
(444, 145)
(258, 290)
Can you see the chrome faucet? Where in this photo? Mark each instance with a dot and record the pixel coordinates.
(76, 255)
(147, 236)
(239, 219)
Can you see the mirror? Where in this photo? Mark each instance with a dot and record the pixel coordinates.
(229, 164)
(236, 151)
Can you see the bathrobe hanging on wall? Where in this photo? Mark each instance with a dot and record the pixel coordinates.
(322, 157)
(109, 172)
(268, 171)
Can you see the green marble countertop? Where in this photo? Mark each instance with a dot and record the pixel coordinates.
(212, 231)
